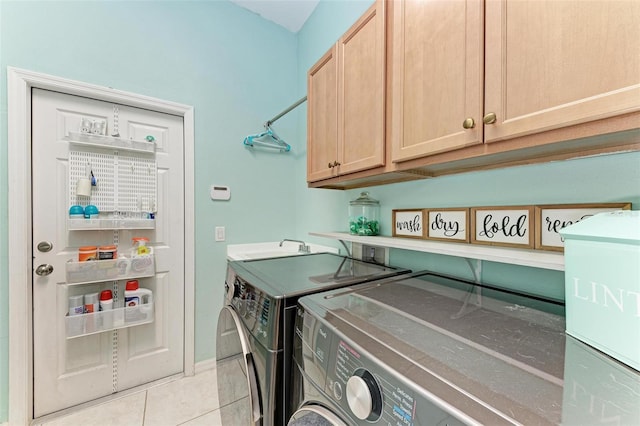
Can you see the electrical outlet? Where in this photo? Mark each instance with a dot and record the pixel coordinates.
(220, 233)
(374, 254)
(368, 253)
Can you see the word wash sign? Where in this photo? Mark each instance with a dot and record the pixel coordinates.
(448, 224)
(503, 226)
(408, 223)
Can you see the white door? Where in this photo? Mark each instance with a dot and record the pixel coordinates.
(68, 372)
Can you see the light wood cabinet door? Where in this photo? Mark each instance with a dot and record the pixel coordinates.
(436, 65)
(322, 117)
(551, 64)
(361, 84)
(346, 102)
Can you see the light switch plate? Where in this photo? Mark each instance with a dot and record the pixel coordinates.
(220, 233)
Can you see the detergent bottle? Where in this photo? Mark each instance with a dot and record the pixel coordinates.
(135, 300)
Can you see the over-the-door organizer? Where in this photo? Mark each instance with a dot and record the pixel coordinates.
(125, 194)
(125, 190)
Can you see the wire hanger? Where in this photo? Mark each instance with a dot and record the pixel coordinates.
(269, 138)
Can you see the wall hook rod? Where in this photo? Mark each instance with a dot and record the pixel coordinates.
(286, 111)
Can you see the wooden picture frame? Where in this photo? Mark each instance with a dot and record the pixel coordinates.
(448, 224)
(549, 219)
(508, 226)
(408, 223)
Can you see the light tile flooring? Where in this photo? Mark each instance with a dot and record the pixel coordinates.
(189, 401)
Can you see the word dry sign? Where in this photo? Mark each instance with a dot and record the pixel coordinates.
(448, 224)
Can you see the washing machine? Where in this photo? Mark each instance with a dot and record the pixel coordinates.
(256, 328)
(427, 349)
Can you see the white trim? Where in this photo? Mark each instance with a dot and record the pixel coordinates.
(19, 85)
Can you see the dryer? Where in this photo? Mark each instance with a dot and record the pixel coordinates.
(255, 328)
(427, 349)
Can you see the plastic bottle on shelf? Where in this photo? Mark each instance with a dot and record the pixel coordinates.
(91, 303)
(106, 300)
(76, 305)
(140, 247)
(134, 296)
(106, 305)
(91, 306)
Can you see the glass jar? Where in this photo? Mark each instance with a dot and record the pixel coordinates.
(364, 215)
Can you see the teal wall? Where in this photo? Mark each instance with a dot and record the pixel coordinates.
(238, 70)
(235, 68)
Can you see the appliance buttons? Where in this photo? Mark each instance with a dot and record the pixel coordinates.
(337, 390)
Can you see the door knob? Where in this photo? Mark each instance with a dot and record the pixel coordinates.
(490, 118)
(44, 269)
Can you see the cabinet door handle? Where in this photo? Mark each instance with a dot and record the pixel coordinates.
(490, 118)
(469, 123)
(336, 164)
(330, 165)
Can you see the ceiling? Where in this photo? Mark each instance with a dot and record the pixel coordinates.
(290, 14)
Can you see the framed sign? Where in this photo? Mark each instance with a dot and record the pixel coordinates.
(408, 223)
(503, 226)
(551, 219)
(447, 224)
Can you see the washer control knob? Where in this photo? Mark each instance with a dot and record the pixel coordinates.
(364, 396)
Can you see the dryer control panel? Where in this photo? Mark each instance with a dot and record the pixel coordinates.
(359, 382)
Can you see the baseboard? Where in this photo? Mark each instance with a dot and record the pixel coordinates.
(201, 366)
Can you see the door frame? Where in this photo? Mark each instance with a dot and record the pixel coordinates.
(19, 85)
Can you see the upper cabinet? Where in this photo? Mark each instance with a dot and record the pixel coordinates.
(548, 65)
(436, 77)
(322, 117)
(552, 64)
(346, 104)
(473, 84)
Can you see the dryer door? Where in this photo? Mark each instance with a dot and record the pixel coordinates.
(238, 390)
(315, 415)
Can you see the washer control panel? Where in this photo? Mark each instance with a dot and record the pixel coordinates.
(369, 396)
(364, 388)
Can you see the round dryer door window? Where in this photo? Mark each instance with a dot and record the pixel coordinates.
(315, 415)
(237, 384)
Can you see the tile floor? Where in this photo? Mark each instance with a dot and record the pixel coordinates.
(188, 401)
